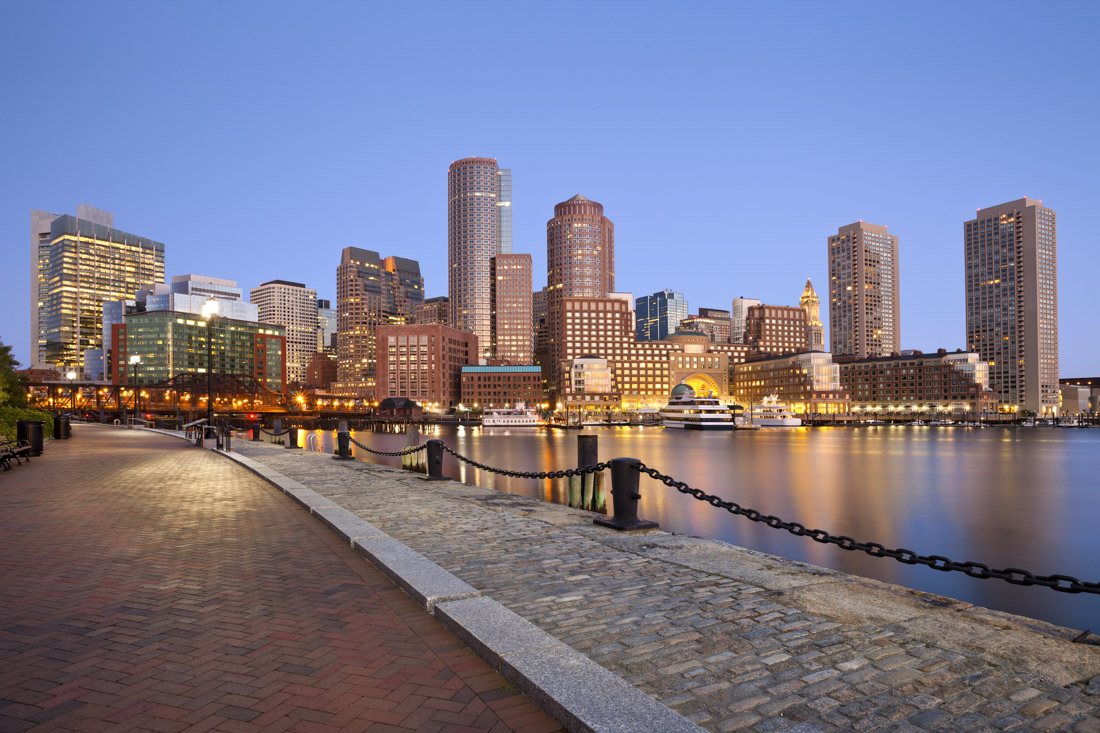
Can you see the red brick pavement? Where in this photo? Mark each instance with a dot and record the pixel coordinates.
(148, 585)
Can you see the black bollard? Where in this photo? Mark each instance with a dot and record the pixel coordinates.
(435, 461)
(255, 431)
(292, 437)
(343, 446)
(228, 437)
(625, 495)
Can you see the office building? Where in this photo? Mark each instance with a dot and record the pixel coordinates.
(188, 293)
(916, 383)
(815, 330)
(713, 322)
(1011, 254)
(321, 371)
(776, 329)
(370, 292)
(501, 386)
(739, 311)
(326, 327)
(479, 226)
(433, 310)
(77, 263)
(809, 383)
(864, 295)
(424, 364)
(510, 294)
(659, 315)
(294, 307)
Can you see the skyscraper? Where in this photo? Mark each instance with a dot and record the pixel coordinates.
(815, 333)
(1012, 301)
(294, 307)
(513, 337)
(864, 302)
(739, 311)
(658, 315)
(77, 263)
(369, 293)
(479, 226)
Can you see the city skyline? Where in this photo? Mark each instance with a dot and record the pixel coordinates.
(253, 217)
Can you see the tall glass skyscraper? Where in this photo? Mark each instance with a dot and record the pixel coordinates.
(657, 316)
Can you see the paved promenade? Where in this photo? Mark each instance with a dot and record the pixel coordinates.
(148, 585)
(729, 638)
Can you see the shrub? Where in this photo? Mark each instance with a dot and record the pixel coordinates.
(10, 415)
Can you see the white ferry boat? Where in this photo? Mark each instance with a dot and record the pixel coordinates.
(771, 414)
(687, 410)
(519, 416)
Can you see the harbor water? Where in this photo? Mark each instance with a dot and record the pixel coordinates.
(1007, 497)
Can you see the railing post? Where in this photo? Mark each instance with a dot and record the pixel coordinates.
(255, 431)
(625, 473)
(343, 446)
(292, 437)
(228, 437)
(435, 461)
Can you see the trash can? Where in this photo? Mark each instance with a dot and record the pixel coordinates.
(62, 427)
(30, 431)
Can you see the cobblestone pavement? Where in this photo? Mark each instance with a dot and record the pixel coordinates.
(727, 653)
(148, 585)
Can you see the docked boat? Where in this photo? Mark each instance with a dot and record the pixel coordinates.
(692, 411)
(520, 416)
(1068, 422)
(772, 414)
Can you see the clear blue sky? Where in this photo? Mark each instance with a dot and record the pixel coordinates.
(725, 140)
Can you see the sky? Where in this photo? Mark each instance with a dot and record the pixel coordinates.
(725, 140)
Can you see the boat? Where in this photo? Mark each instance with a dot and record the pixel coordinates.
(520, 416)
(692, 411)
(1068, 422)
(771, 414)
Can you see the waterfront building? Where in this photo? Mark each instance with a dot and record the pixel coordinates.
(510, 293)
(808, 382)
(77, 263)
(172, 343)
(326, 327)
(370, 292)
(715, 323)
(739, 311)
(915, 382)
(658, 315)
(424, 363)
(501, 386)
(864, 295)
(776, 329)
(479, 226)
(433, 310)
(1011, 263)
(1080, 396)
(294, 307)
(815, 330)
(321, 371)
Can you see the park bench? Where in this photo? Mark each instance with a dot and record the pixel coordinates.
(19, 450)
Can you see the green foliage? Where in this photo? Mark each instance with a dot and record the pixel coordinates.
(10, 415)
(12, 389)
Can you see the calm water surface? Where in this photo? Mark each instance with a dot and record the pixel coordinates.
(1008, 497)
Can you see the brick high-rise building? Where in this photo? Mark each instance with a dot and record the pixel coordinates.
(294, 307)
(424, 364)
(370, 292)
(864, 295)
(513, 338)
(1012, 301)
(479, 227)
(777, 329)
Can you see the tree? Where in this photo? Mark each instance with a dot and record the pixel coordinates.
(12, 388)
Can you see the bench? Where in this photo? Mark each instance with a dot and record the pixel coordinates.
(19, 450)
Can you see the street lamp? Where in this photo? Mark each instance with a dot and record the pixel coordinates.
(209, 312)
(135, 359)
(72, 391)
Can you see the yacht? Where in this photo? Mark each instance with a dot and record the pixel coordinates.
(771, 414)
(1067, 422)
(520, 416)
(691, 411)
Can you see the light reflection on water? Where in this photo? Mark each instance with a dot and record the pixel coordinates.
(1007, 497)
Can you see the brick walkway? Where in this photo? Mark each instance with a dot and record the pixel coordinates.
(147, 585)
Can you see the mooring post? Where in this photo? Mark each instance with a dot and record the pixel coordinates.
(343, 446)
(625, 473)
(411, 461)
(587, 455)
(292, 437)
(435, 461)
(255, 431)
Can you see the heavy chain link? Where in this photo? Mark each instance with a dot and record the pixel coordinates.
(274, 435)
(530, 474)
(1016, 576)
(411, 449)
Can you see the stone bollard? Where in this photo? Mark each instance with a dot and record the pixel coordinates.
(343, 446)
(292, 437)
(625, 495)
(435, 461)
(255, 431)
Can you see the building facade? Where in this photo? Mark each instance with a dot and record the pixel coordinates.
(294, 307)
(326, 327)
(739, 311)
(370, 292)
(433, 310)
(659, 315)
(321, 372)
(479, 226)
(1011, 256)
(809, 383)
(864, 295)
(914, 383)
(715, 323)
(815, 330)
(501, 386)
(513, 338)
(424, 364)
(77, 264)
(776, 329)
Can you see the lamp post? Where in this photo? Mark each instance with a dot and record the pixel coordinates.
(71, 376)
(209, 311)
(135, 359)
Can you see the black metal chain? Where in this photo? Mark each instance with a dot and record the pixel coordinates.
(274, 435)
(408, 451)
(530, 474)
(1016, 576)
